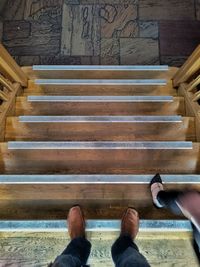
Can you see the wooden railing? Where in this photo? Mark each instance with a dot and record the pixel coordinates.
(187, 80)
(12, 80)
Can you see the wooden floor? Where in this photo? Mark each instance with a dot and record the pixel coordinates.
(101, 31)
(39, 249)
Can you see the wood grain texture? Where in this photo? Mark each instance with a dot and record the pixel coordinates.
(38, 249)
(24, 107)
(192, 107)
(99, 161)
(139, 51)
(105, 74)
(35, 9)
(81, 30)
(42, 28)
(102, 90)
(197, 9)
(189, 68)
(10, 69)
(14, 9)
(169, 10)
(180, 38)
(100, 131)
(118, 21)
(19, 29)
(110, 51)
(148, 29)
(91, 194)
(8, 108)
(57, 209)
(176, 61)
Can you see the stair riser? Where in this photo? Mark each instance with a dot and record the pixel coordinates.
(173, 131)
(129, 161)
(57, 209)
(97, 82)
(79, 192)
(23, 107)
(100, 90)
(106, 74)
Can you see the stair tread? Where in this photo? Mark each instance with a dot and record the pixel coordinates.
(101, 161)
(99, 145)
(46, 98)
(124, 82)
(108, 119)
(25, 107)
(96, 179)
(100, 131)
(100, 89)
(102, 67)
(94, 225)
(100, 71)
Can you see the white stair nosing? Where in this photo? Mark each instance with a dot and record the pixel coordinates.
(101, 67)
(93, 226)
(100, 119)
(100, 82)
(95, 179)
(46, 98)
(105, 145)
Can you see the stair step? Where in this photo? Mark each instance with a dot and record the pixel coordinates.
(118, 99)
(98, 157)
(90, 180)
(51, 128)
(157, 240)
(98, 189)
(100, 105)
(94, 226)
(99, 119)
(100, 82)
(101, 67)
(95, 188)
(102, 72)
(110, 90)
(100, 145)
(49, 196)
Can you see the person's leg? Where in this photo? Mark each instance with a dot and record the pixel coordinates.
(164, 199)
(125, 252)
(77, 252)
(185, 203)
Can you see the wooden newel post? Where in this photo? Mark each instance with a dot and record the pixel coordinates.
(10, 69)
(189, 68)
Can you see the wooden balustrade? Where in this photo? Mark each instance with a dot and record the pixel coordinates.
(191, 66)
(187, 79)
(12, 79)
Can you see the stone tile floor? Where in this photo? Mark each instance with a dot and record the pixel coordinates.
(101, 31)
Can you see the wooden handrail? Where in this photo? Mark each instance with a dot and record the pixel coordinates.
(189, 68)
(10, 69)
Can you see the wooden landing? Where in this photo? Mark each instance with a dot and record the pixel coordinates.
(39, 249)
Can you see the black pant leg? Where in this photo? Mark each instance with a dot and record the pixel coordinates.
(125, 253)
(75, 255)
(168, 200)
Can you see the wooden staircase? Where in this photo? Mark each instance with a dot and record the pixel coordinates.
(94, 135)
